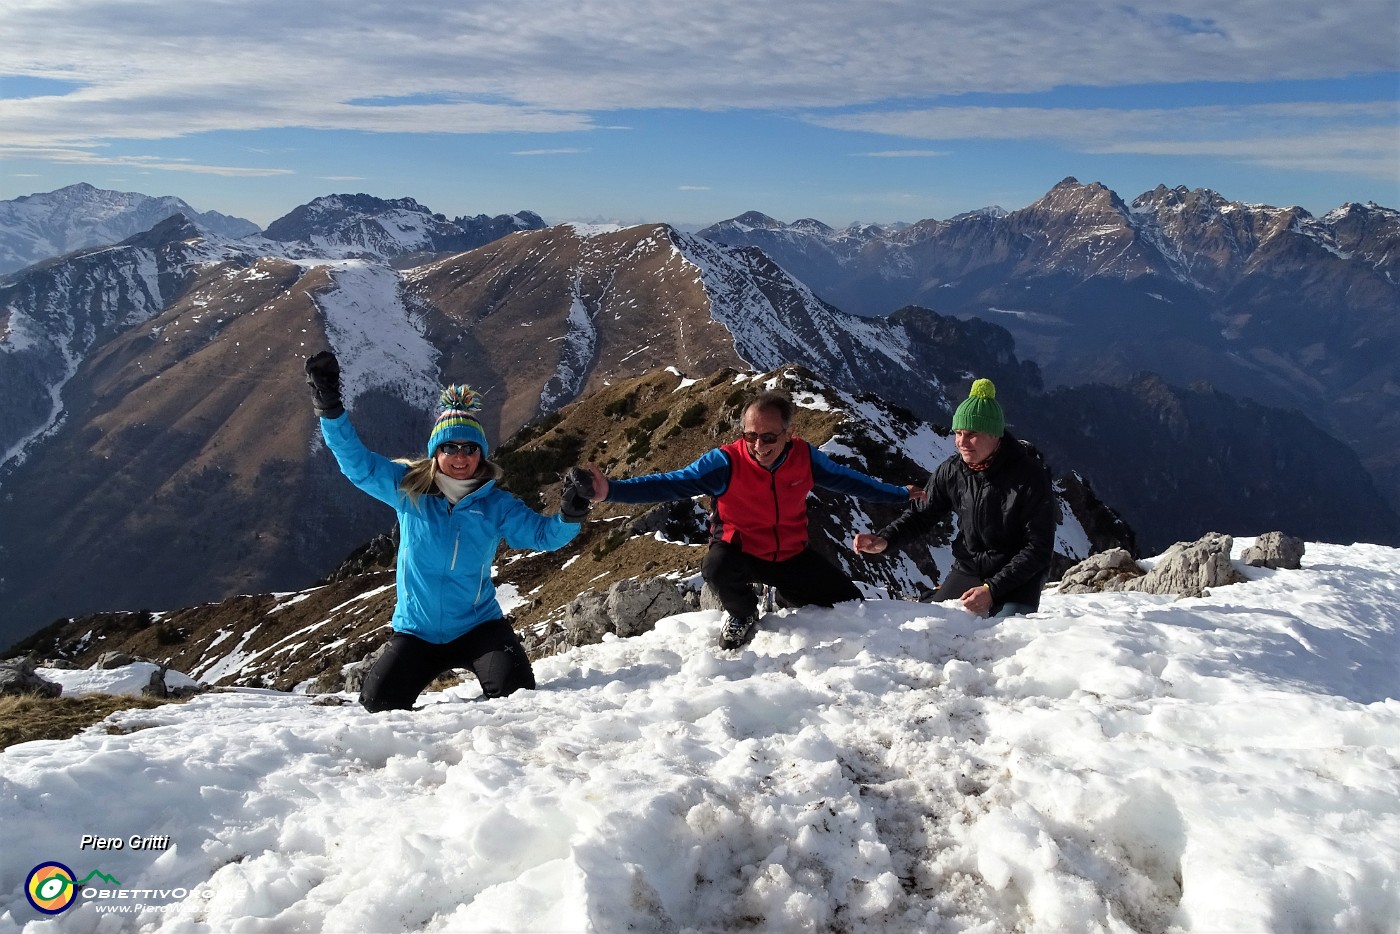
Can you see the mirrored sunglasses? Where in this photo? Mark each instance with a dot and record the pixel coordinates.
(767, 437)
(452, 448)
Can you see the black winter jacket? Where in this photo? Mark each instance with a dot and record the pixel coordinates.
(1006, 520)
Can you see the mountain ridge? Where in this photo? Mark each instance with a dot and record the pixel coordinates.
(1265, 303)
(191, 400)
(45, 225)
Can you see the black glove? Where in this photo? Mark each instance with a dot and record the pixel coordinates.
(323, 376)
(576, 496)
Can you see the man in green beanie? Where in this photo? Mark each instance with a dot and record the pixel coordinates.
(1006, 513)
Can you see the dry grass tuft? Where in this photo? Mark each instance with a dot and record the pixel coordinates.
(27, 718)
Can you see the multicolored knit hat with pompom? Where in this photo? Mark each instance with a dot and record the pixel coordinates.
(458, 419)
(981, 411)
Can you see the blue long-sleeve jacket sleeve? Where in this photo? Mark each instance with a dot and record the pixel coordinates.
(373, 473)
(829, 475)
(707, 475)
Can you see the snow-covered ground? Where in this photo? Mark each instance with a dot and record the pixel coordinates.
(1119, 762)
(126, 679)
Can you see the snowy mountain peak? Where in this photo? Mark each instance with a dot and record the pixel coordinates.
(361, 226)
(991, 211)
(812, 226)
(41, 226)
(1072, 197)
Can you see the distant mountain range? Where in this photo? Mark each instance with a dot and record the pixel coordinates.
(155, 390)
(37, 227)
(397, 231)
(1263, 303)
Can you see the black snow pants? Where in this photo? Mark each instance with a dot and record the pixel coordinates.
(806, 578)
(492, 651)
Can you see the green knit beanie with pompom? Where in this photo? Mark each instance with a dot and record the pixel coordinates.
(981, 411)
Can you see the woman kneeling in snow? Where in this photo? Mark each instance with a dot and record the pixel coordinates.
(452, 519)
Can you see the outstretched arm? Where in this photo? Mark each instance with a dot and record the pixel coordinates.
(919, 518)
(707, 475)
(829, 475)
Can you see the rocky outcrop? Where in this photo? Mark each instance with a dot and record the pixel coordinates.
(1189, 569)
(628, 608)
(17, 677)
(1107, 570)
(1186, 569)
(1274, 550)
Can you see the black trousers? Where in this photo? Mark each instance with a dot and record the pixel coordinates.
(1025, 599)
(492, 651)
(806, 578)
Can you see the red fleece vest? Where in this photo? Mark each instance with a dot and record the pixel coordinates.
(764, 513)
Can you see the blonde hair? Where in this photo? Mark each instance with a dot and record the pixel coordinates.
(421, 478)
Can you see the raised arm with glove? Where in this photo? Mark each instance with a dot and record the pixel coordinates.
(323, 376)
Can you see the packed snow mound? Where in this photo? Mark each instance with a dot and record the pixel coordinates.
(126, 679)
(1115, 762)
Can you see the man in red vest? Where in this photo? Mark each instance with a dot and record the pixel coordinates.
(758, 523)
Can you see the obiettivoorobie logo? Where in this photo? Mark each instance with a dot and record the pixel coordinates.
(52, 887)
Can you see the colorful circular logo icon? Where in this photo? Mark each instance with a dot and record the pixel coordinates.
(51, 887)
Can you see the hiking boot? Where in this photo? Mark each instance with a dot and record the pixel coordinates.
(738, 631)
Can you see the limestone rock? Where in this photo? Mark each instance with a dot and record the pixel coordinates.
(629, 608)
(1107, 570)
(17, 677)
(1275, 550)
(1189, 569)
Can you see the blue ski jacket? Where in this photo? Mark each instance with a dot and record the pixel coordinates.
(445, 551)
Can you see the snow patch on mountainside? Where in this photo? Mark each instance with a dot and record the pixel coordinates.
(579, 345)
(380, 343)
(761, 329)
(51, 335)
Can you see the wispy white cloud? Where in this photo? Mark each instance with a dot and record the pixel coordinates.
(86, 157)
(165, 68)
(693, 188)
(564, 151)
(1361, 138)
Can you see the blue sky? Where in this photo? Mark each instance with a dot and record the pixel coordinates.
(875, 111)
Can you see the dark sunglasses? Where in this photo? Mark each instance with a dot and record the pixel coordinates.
(767, 437)
(451, 448)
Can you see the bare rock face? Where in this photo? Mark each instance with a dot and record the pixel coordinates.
(1188, 569)
(1107, 570)
(1275, 550)
(17, 677)
(629, 608)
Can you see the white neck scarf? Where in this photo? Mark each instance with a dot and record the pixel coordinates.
(454, 490)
